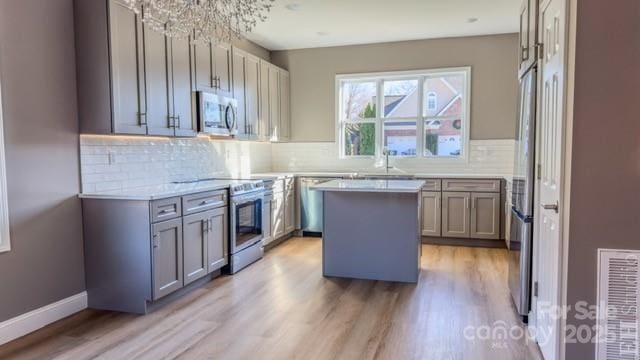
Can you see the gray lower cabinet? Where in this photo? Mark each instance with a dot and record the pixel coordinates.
(217, 238)
(195, 239)
(266, 220)
(431, 213)
(485, 216)
(139, 251)
(290, 211)
(277, 215)
(167, 257)
(455, 214)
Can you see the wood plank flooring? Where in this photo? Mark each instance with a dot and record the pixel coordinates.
(283, 308)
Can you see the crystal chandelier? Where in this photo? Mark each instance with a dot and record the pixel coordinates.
(201, 20)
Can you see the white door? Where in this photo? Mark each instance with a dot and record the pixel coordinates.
(550, 154)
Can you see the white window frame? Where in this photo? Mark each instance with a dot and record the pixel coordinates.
(5, 241)
(421, 75)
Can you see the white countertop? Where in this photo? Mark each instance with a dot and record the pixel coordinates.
(284, 174)
(390, 186)
(159, 191)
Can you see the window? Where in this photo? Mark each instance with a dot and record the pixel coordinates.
(432, 101)
(5, 244)
(410, 114)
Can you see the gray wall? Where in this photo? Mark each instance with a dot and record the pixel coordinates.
(494, 79)
(37, 74)
(605, 169)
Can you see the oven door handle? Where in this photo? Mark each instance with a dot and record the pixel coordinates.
(243, 201)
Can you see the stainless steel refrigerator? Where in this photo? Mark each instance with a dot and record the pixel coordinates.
(521, 235)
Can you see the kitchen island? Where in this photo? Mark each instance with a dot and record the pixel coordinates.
(371, 229)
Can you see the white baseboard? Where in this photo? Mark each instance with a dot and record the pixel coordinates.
(33, 320)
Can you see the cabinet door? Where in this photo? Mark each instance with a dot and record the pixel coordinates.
(485, 216)
(156, 58)
(217, 238)
(274, 103)
(184, 120)
(239, 91)
(277, 215)
(264, 126)
(455, 214)
(195, 228)
(127, 70)
(222, 68)
(431, 213)
(290, 212)
(252, 94)
(266, 222)
(167, 257)
(203, 74)
(527, 34)
(285, 107)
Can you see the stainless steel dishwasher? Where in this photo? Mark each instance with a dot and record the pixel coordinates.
(311, 206)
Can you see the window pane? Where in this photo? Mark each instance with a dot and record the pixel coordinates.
(443, 137)
(360, 139)
(400, 138)
(358, 100)
(443, 95)
(400, 98)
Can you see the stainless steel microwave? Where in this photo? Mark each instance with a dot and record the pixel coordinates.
(217, 114)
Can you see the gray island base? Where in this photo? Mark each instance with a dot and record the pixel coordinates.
(371, 229)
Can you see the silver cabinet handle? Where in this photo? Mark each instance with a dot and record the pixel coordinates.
(553, 207)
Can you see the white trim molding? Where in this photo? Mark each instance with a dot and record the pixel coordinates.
(5, 243)
(33, 320)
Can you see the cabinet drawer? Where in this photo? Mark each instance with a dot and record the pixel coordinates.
(204, 201)
(490, 185)
(432, 185)
(165, 209)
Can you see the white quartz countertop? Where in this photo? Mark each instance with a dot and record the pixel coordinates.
(156, 192)
(279, 175)
(390, 186)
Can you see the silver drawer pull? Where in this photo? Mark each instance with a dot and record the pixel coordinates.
(166, 211)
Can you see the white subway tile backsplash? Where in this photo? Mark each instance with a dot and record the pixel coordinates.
(116, 162)
(485, 157)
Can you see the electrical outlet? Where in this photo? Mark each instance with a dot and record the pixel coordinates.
(112, 158)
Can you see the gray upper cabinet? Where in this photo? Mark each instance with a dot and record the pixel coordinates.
(527, 34)
(217, 238)
(455, 214)
(203, 74)
(195, 230)
(274, 102)
(181, 86)
(167, 257)
(252, 95)
(131, 79)
(221, 59)
(285, 106)
(264, 111)
(431, 213)
(238, 67)
(156, 56)
(485, 216)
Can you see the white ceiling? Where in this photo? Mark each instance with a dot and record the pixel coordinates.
(345, 22)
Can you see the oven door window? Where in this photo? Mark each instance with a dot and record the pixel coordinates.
(248, 222)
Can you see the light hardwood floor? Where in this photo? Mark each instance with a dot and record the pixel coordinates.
(282, 308)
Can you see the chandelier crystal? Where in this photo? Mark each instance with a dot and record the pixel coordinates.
(201, 20)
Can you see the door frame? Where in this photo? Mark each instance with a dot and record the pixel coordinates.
(565, 174)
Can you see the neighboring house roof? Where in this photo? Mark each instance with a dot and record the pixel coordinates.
(405, 105)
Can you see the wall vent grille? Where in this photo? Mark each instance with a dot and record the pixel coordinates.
(619, 301)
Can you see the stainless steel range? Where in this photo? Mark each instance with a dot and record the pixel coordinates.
(246, 223)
